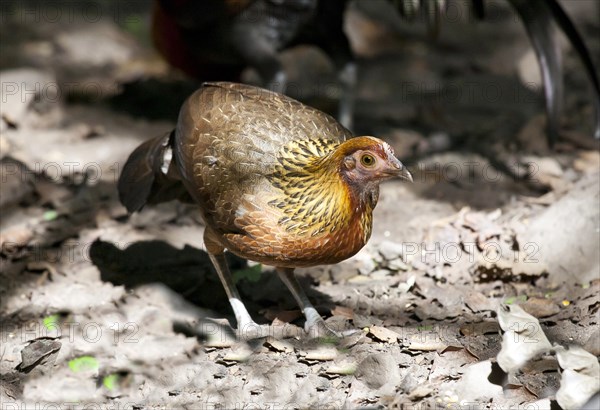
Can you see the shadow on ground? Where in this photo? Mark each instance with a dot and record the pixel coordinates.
(189, 272)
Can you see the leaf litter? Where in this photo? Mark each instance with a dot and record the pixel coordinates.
(427, 293)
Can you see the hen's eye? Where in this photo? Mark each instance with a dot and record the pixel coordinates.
(367, 160)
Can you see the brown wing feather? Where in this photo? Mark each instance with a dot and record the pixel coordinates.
(229, 141)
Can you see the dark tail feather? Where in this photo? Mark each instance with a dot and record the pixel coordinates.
(567, 26)
(537, 15)
(537, 19)
(150, 175)
(478, 9)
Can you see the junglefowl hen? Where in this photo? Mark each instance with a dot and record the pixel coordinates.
(276, 181)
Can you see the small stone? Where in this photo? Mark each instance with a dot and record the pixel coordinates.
(380, 274)
(406, 286)
(37, 353)
(390, 250)
(378, 369)
(343, 369)
(359, 279)
(397, 265)
(322, 354)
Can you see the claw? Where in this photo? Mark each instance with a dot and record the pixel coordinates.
(251, 330)
(320, 330)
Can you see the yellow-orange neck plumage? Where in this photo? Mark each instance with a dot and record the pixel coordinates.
(316, 198)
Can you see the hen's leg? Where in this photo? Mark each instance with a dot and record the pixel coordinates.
(217, 256)
(241, 313)
(315, 325)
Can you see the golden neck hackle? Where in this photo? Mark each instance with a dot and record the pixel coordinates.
(315, 198)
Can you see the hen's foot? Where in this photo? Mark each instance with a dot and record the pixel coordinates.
(252, 331)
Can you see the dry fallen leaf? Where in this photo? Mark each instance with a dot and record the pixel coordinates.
(278, 345)
(480, 328)
(477, 302)
(474, 385)
(343, 311)
(382, 334)
(523, 338)
(15, 237)
(580, 377)
(588, 161)
(239, 353)
(286, 316)
(426, 340)
(219, 339)
(541, 307)
(420, 392)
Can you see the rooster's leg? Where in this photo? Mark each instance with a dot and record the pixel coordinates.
(315, 325)
(346, 109)
(261, 55)
(272, 73)
(278, 83)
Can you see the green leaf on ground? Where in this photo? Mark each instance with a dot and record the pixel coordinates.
(251, 274)
(52, 322)
(83, 363)
(50, 215)
(111, 381)
(515, 299)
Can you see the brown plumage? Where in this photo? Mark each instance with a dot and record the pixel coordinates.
(276, 181)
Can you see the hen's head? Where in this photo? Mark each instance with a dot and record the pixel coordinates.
(367, 160)
(362, 163)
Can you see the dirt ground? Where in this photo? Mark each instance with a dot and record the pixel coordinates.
(475, 278)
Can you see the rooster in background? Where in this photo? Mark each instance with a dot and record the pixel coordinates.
(216, 39)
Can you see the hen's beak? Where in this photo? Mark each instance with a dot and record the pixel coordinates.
(405, 174)
(398, 170)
